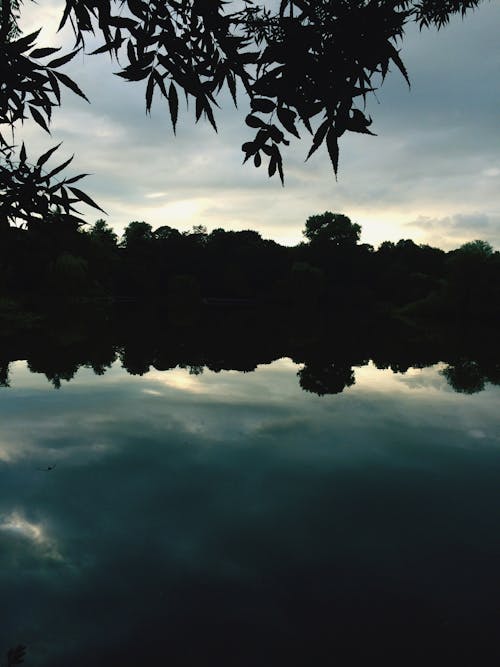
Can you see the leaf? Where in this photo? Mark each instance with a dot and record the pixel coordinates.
(55, 86)
(231, 84)
(254, 121)
(263, 105)
(137, 7)
(69, 83)
(280, 169)
(173, 105)
(359, 123)
(149, 92)
(198, 109)
(394, 53)
(249, 148)
(273, 163)
(23, 43)
(133, 74)
(86, 199)
(332, 145)
(22, 154)
(210, 115)
(318, 137)
(74, 179)
(159, 80)
(38, 118)
(57, 62)
(131, 52)
(257, 160)
(42, 53)
(56, 170)
(122, 22)
(287, 119)
(43, 158)
(105, 48)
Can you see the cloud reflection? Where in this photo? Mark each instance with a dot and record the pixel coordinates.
(16, 525)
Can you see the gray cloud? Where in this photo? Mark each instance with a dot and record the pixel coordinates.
(452, 231)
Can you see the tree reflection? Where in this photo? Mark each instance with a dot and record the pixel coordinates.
(4, 374)
(241, 339)
(326, 378)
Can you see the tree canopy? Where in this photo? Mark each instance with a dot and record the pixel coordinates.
(307, 65)
(333, 228)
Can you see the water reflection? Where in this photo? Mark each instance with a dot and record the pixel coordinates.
(244, 520)
(234, 519)
(328, 349)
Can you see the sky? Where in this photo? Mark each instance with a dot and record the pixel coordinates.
(432, 174)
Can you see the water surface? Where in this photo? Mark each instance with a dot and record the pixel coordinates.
(233, 519)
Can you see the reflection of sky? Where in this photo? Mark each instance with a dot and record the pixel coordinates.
(185, 505)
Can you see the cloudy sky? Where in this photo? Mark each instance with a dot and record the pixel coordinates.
(431, 174)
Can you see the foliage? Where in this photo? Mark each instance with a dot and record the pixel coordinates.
(342, 50)
(137, 234)
(103, 233)
(29, 192)
(477, 248)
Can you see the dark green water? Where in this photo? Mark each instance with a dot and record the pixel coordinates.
(233, 519)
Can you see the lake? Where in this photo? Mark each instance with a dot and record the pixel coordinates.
(193, 517)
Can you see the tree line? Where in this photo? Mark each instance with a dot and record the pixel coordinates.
(181, 270)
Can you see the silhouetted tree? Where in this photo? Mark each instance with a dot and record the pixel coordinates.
(332, 228)
(137, 235)
(473, 274)
(103, 234)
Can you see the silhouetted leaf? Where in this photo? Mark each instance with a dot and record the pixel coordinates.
(287, 119)
(262, 104)
(318, 137)
(231, 83)
(332, 145)
(38, 118)
(43, 158)
(85, 198)
(399, 63)
(69, 83)
(105, 48)
(54, 85)
(42, 53)
(173, 105)
(58, 169)
(20, 45)
(57, 62)
(149, 93)
(74, 179)
(254, 121)
(273, 163)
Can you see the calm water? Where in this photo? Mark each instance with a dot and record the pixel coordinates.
(233, 519)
